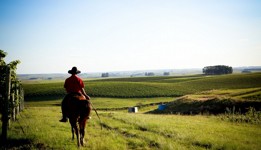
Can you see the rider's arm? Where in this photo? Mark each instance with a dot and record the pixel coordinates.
(84, 93)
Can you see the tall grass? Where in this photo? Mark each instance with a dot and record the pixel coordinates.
(251, 116)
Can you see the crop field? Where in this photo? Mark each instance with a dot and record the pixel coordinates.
(38, 126)
(138, 87)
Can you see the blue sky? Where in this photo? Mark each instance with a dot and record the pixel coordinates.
(52, 36)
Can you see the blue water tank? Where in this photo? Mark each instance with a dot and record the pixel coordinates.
(162, 107)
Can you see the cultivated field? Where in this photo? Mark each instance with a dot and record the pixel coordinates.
(171, 86)
(38, 126)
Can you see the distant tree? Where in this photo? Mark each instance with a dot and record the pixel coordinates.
(149, 74)
(105, 74)
(218, 69)
(246, 71)
(166, 73)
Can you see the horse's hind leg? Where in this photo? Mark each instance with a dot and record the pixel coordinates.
(77, 135)
(82, 136)
(75, 130)
(73, 125)
(82, 124)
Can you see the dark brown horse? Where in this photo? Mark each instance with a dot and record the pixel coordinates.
(78, 113)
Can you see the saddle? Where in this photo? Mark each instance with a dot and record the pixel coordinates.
(76, 102)
(78, 96)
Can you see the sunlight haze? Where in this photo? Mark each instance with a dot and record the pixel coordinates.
(52, 36)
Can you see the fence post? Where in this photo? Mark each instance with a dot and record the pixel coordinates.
(5, 117)
(21, 93)
(17, 100)
(12, 108)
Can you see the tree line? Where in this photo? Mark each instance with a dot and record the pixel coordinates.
(217, 70)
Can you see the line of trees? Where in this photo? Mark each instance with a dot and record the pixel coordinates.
(217, 70)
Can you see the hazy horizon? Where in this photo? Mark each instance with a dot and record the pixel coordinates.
(118, 35)
(179, 71)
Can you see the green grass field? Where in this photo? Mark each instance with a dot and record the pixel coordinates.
(38, 126)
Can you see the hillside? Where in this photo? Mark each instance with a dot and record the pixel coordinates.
(171, 86)
(216, 102)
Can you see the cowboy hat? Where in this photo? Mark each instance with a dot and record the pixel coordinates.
(74, 71)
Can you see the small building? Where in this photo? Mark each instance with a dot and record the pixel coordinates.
(149, 74)
(133, 109)
(105, 74)
(166, 73)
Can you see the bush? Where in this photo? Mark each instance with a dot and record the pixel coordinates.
(251, 116)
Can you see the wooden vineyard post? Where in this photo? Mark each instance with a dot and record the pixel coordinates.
(17, 100)
(21, 93)
(12, 107)
(5, 117)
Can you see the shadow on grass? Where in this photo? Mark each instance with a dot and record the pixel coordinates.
(12, 144)
(213, 106)
(43, 98)
(22, 144)
(45, 101)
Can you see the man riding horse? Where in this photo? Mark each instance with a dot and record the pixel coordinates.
(75, 90)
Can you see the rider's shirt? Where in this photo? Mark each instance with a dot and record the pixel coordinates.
(73, 84)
